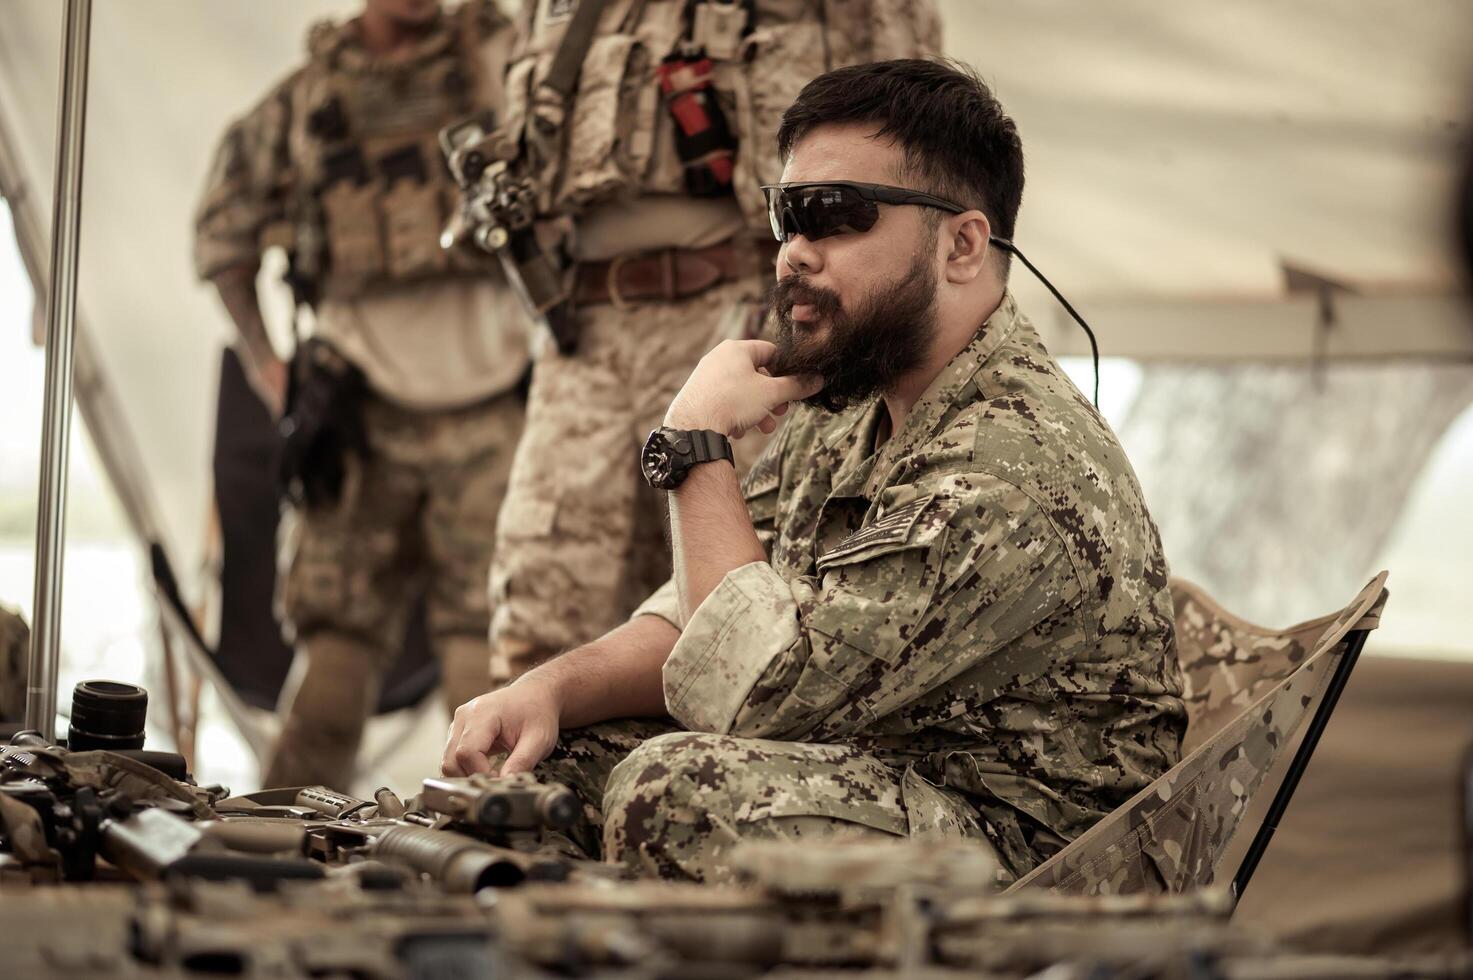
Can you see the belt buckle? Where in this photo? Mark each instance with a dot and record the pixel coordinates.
(611, 283)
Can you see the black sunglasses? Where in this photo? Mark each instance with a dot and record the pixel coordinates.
(821, 209)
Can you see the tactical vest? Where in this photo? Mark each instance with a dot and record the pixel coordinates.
(619, 134)
(371, 193)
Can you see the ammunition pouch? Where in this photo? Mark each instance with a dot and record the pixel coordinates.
(381, 221)
(603, 141)
(354, 241)
(322, 424)
(413, 216)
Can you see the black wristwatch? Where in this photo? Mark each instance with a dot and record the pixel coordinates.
(669, 454)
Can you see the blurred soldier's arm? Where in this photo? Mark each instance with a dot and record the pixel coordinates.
(264, 367)
(244, 194)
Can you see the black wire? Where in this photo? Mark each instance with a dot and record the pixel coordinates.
(1094, 347)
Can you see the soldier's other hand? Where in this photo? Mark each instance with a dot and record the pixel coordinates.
(731, 391)
(521, 720)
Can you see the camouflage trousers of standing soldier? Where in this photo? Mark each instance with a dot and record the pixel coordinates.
(674, 803)
(417, 516)
(581, 540)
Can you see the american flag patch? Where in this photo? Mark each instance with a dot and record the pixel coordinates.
(893, 528)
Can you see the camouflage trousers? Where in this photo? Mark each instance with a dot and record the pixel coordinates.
(673, 803)
(417, 516)
(581, 540)
(15, 649)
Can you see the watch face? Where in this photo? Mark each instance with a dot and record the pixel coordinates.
(658, 462)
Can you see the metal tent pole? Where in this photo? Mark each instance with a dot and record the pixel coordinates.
(61, 313)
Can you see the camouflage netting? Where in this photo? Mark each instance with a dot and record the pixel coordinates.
(1256, 474)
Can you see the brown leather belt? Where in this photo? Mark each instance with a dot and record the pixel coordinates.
(672, 273)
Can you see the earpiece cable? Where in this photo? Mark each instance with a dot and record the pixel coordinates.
(1094, 347)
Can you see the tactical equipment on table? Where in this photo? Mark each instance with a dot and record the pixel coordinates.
(513, 803)
(311, 889)
(460, 865)
(643, 931)
(61, 811)
(107, 715)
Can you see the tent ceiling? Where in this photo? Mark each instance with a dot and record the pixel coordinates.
(1178, 153)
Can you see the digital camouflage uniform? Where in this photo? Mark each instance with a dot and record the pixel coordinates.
(340, 165)
(15, 647)
(968, 632)
(580, 540)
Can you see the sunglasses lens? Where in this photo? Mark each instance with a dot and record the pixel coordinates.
(774, 213)
(819, 212)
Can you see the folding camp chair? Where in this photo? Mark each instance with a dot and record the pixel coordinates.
(1248, 690)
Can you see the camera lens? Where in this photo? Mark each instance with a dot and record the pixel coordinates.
(107, 715)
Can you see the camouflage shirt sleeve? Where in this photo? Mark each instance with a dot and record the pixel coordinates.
(665, 603)
(949, 574)
(246, 187)
(759, 487)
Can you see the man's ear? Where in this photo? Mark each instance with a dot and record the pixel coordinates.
(970, 234)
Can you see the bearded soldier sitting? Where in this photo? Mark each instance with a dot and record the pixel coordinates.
(937, 606)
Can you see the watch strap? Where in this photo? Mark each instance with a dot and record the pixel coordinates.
(708, 445)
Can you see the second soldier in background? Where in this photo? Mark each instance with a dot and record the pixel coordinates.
(414, 368)
(647, 127)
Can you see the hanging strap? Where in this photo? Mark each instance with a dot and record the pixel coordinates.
(562, 78)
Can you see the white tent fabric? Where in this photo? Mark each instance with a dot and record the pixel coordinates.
(1179, 156)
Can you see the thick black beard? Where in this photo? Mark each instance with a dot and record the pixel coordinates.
(863, 354)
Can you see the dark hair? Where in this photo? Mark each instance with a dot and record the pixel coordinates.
(958, 142)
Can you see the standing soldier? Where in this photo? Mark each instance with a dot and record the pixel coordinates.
(406, 402)
(645, 128)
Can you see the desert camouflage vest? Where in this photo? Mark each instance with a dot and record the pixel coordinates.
(621, 132)
(372, 190)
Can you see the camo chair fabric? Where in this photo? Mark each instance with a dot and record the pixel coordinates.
(1171, 835)
(1228, 663)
